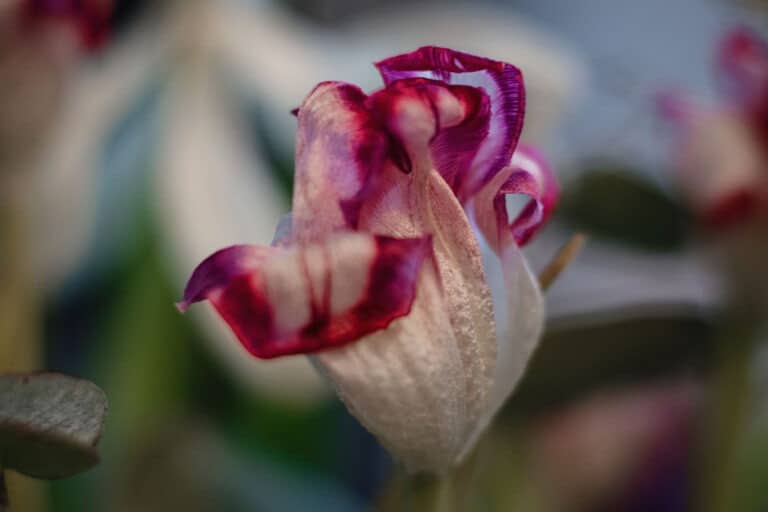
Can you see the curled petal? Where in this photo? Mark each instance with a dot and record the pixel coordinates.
(528, 174)
(281, 301)
(531, 176)
(338, 148)
(446, 124)
(221, 268)
(502, 82)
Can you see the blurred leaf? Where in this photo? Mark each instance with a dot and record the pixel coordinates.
(573, 360)
(751, 495)
(50, 424)
(616, 203)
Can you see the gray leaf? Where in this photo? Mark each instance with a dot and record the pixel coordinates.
(49, 424)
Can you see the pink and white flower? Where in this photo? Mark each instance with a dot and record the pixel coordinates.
(723, 155)
(722, 166)
(380, 274)
(39, 47)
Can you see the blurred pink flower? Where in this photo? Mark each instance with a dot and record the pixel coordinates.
(38, 51)
(380, 274)
(90, 18)
(593, 451)
(722, 159)
(722, 165)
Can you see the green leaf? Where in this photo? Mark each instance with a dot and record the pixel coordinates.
(575, 360)
(50, 424)
(616, 203)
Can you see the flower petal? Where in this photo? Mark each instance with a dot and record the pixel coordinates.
(405, 383)
(528, 174)
(429, 119)
(502, 82)
(281, 301)
(743, 65)
(338, 148)
(519, 317)
(422, 203)
(721, 170)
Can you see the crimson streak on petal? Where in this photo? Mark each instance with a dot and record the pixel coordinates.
(502, 82)
(328, 294)
(528, 174)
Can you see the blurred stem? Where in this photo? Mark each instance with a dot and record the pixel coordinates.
(452, 492)
(561, 260)
(4, 506)
(19, 346)
(20, 349)
(728, 415)
(430, 494)
(447, 493)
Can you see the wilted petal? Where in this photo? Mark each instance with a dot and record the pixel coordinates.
(502, 82)
(429, 119)
(421, 202)
(281, 301)
(338, 148)
(528, 174)
(404, 196)
(519, 308)
(405, 383)
(531, 176)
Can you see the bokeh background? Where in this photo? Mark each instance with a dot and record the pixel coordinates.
(126, 164)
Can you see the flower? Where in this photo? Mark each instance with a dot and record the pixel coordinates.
(38, 48)
(379, 272)
(722, 157)
(722, 165)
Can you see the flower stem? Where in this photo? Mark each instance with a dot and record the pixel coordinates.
(20, 347)
(561, 260)
(728, 415)
(4, 506)
(430, 494)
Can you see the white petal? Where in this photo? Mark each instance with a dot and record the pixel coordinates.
(405, 383)
(519, 308)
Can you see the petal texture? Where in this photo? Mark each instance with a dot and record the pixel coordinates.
(281, 301)
(404, 383)
(380, 250)
(422, 202)
(519, 315)
(502, 82)
(529, 175)
(447, 123)
(338, 148)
